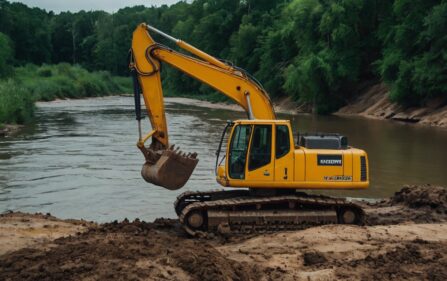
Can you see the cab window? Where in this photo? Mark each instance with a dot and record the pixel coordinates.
(261, 146)
(238, 151)
(282, 141)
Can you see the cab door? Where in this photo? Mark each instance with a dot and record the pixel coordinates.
(237, 152)
(260, 164)
(284, 158)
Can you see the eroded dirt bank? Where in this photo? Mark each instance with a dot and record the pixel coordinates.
(9, 130)
(373, 102)
(405, 238)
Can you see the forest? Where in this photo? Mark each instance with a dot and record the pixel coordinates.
(315, 51)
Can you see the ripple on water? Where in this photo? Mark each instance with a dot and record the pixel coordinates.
(81, 161)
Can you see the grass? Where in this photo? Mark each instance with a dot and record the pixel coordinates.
(49, 82)
(16, 103)
(32, 83)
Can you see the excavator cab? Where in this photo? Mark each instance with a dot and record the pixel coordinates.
(257, 150)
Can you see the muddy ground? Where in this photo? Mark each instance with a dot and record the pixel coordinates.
(405, 238)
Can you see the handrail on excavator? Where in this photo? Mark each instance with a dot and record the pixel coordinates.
(193, 50)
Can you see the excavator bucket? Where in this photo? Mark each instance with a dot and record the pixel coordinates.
(172, 169)
(164, 166)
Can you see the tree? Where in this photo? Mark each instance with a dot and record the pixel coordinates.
(6, 55)
(414, 54)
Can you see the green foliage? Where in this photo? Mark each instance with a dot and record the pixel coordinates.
(330, 53)
(16, 103)
(414, 58)
(29, 30)
(6, 55)
(317, 51)
(49, 82)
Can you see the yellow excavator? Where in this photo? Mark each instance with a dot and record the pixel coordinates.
(262, 161)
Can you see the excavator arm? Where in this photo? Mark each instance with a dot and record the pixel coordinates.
(165, 166)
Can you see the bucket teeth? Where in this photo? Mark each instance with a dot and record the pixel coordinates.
(172, 169)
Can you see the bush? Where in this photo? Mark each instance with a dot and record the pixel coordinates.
(414, 53)
(16, 103)
(49, 82)
(6, 55)
(45, 71)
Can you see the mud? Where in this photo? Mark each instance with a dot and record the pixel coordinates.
(431, 197)
(124, 251)
(312, 258)
(415, 260)
(416, 204)
(10, 130)
(405, 238)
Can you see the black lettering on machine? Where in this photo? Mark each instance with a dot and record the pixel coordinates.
(329, 160)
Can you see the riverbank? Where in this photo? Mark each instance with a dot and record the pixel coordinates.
(373, 102)
(405, 237)
(32, 83)
(282, 106)
(9, 130)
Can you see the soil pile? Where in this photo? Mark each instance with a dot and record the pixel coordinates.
(124, 251)
(19, 230)
(340, 252)
(413, 203)
(426, 196)
(415, 260)
(390, 246)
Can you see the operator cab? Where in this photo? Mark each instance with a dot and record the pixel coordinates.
(254, 148)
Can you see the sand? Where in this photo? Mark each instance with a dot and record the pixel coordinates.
(405, 238)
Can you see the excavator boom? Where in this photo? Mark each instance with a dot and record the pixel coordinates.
(165, 166)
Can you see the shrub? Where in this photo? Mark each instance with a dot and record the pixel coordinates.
(16, 103)
(49, 82)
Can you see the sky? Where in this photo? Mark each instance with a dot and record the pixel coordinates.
(77, 5)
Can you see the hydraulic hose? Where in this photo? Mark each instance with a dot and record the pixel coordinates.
(136, 94)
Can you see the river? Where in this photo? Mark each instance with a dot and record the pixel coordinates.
(79, 159)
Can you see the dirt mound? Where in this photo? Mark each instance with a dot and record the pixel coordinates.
(124, 251)
(312, 258)
(342, 252)
(413, 203)
(434, 197)
(20, 230)
(417, 260)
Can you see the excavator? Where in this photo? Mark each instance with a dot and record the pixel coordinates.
(262, 169)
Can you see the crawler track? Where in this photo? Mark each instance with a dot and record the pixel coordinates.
(238, 211)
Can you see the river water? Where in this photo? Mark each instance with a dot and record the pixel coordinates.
(79, 159)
